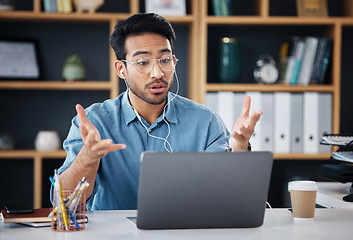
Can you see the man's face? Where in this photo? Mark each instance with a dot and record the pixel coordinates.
(152, 87)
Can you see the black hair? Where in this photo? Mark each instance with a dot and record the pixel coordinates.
(139, 24)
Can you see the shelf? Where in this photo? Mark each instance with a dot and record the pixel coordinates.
(37, 157)
(80, 17)
(255, 20)
(214, 87)
(56, 85)
(302, 156)
(32, 154)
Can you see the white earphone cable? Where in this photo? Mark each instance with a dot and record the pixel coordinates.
(166, 142)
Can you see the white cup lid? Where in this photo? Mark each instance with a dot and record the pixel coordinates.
(302, 186)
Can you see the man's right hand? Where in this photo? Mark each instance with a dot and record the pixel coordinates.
(94, 148)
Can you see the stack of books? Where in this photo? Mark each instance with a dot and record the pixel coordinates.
(61, 6)
(39, 217)
(305, 60)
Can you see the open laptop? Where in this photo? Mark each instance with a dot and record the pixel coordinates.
(203, 189)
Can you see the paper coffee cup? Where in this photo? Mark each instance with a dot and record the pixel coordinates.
(303, 199)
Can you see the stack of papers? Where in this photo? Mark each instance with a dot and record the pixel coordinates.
(346, 156)
(337, 140)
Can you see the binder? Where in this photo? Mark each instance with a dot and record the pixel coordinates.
(225, 108)
(211, 100)
(256, 106)
(311, 122)
(238, 99)
(267, 119)
(297, 122)
(282, 121)
(325, 118)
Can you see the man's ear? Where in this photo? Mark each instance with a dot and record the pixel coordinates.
(119, 69)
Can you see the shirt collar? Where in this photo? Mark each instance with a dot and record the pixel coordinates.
(128, 111)
(129, 114)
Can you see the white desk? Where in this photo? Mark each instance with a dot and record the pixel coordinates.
(330, 195)
(328, 224)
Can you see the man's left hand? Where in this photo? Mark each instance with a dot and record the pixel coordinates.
(244, 127)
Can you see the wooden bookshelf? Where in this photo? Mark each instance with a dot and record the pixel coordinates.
(261, 17)
(38, 15)
(198, 21)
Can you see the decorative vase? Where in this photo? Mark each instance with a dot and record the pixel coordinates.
(47, 141)
(6, 142)
(88, 5)
(228, 61)
(73, 69)
(7, 5)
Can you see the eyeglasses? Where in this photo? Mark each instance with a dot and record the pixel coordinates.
(145, 64)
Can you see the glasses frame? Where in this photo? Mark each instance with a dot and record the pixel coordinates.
(174, 58)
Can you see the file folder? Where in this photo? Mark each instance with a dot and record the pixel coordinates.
(297, 123)
(282, 128)
(325, 118)
(256, 106)
(267, 119)
(311, 122)
(225, 108)
(211, 100)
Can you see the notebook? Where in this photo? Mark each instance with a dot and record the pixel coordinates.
(203, 189)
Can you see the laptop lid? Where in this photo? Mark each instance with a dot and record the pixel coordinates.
(203, 189)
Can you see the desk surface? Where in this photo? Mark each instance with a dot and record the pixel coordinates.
(330, 195)
(278, 224)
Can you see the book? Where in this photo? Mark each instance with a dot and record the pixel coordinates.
(224, 8)
(293, 52)
(220, 7)
(39, 215)
(322, 78)
(298, 59)
(60, 6)
(217, 7)
(319, 57)
(67, 6)
(308, 60)
(283, 53)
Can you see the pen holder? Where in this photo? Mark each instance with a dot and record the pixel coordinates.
(72, 215)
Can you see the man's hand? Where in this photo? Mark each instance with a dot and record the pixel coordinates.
(94, 148)
(244, 127)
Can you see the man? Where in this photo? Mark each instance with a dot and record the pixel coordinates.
(105, 141)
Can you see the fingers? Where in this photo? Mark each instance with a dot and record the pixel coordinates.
(245, 126)
(246, 107)
(94, 146)
(81, 113)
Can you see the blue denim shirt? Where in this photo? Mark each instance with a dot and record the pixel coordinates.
(193, 127)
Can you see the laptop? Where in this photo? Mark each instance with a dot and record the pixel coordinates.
(188, 190)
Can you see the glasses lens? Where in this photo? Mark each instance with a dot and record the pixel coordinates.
(144, 64)
(167, 62)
